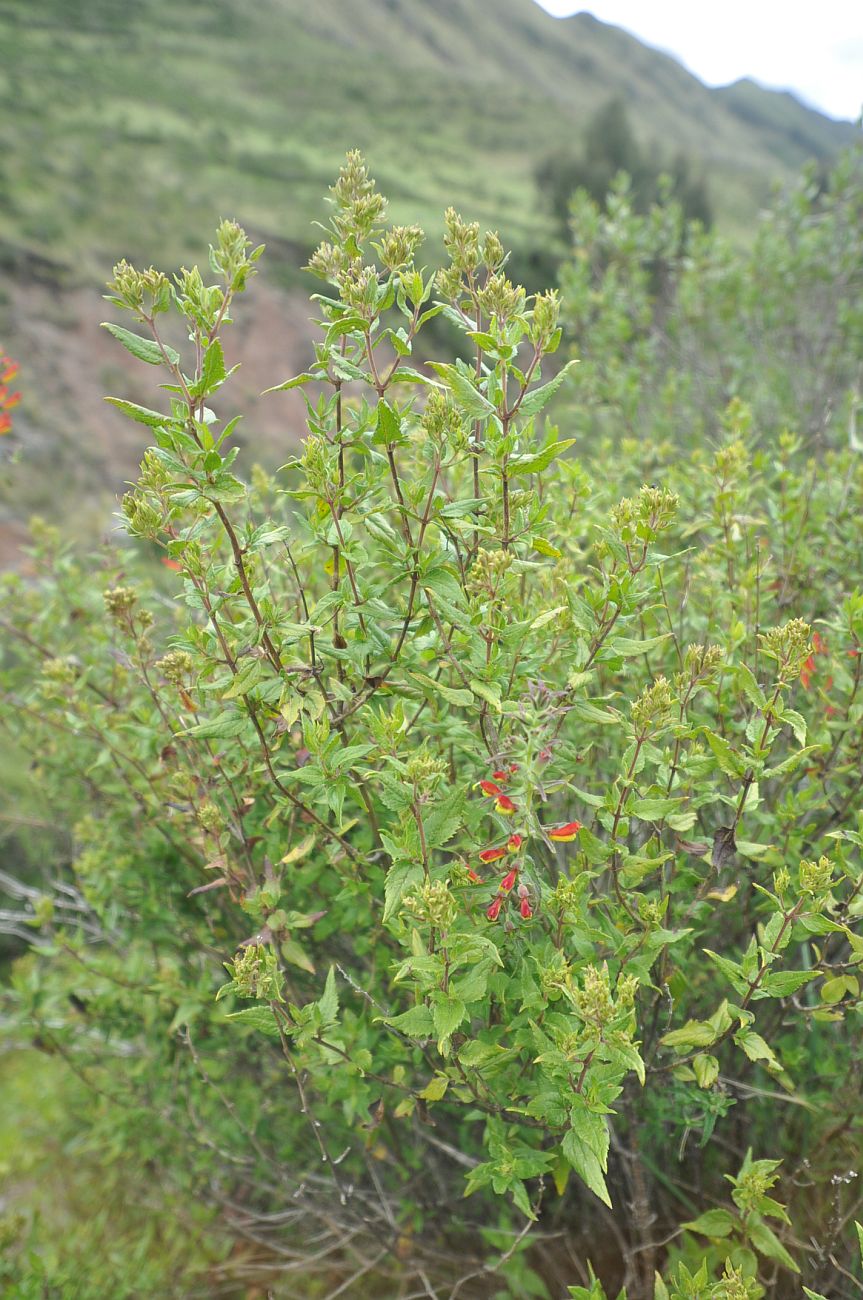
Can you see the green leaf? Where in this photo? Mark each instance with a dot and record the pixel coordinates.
(389, 429)
(628, 648)
(542, 619)
(442, 820)
(213, 371)
(144, 349)
(448, 1012)
(586, 1164)
(142, 414)
(519, 466)
(296, 382)
(797, 723)
(296, 954)
(730, 763)
(260, 1018)
(329, 999)
(706, 1070)
(534, 402)
(695, 1033)
(471, 401)
(435, 1089)
(452, 694)
(401, 878)
(781, 983)
(768, 1244)
(225, 726)
(714, 1223)
(415, 1023)
(652, 810)
(488, 692)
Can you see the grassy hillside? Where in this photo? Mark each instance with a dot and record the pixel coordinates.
(128, 129)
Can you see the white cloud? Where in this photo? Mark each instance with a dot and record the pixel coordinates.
(815, 51)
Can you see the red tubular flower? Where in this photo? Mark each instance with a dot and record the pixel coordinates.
(819, 645)
(505, 772)
(563, 834)
(806, 672)
(5, 423)
(489, 789)
(492, 855)
(505, 805)
(494, 909)
(473, 877)
(514, 843)
(509, 880)
(525, 908)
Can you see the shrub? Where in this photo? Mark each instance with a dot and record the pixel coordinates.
(672, 323)
(519, 799)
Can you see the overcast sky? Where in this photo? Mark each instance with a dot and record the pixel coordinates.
(815, 50)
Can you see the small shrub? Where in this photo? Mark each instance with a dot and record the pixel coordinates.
(520, 800)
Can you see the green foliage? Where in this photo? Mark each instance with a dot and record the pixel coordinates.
(681, 335)
(518, 798)
(610, 147)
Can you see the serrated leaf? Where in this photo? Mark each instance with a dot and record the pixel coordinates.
(534, 402)
(260, 1018)
(471, 401)
(144, 349)
(488, 692)
(520, 466)
(714, 1223)
(586, 1165)
(142, 414)
(401, 878)
(448, 1012)
(768, 1244)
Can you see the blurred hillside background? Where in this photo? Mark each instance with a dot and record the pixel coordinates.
(126, 130)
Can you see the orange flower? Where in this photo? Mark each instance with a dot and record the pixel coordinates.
(514, 843)
(504, 805)
(509, 880)
(492, 855)
(473, 877)
(563, 834)
(489, 789)
(494, 909)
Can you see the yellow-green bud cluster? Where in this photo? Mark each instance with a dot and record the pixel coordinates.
(176, 666)
(641, 519)
(486, 571)
(119, 602)
(441, 420)
(790, 646)
(425, 771)
(255, 973)
(398, 246)
(433, 903)
(359, 208)
(146, 292)
(651, 710)
(210, 817)
(500, 298)
(815, 878)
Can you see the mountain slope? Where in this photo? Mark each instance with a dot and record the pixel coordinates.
(125, 128)
(129, 129)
